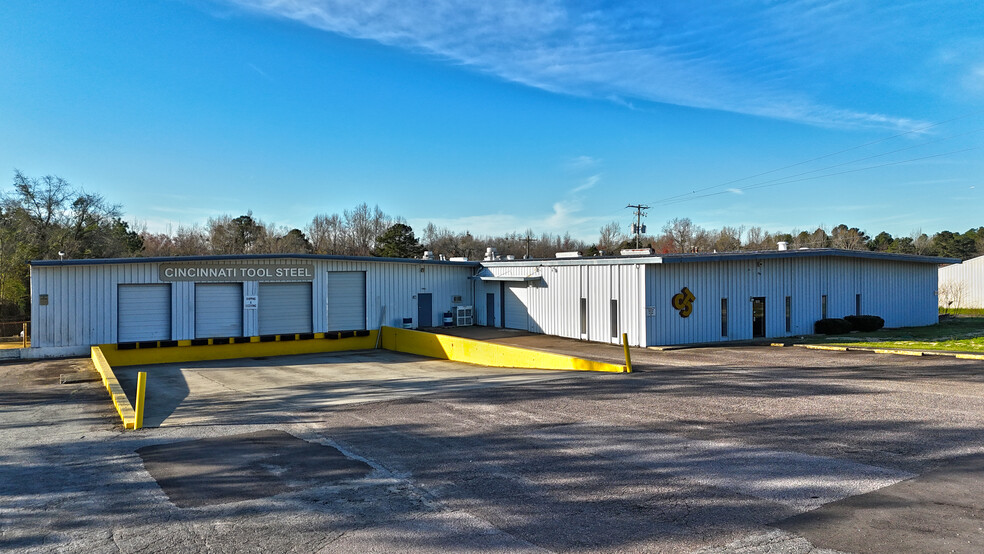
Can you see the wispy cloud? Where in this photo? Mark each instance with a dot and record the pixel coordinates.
(747, 57)
(579, 163)
(566, 215)
(736, 191)
(587, 184)
(260, 72)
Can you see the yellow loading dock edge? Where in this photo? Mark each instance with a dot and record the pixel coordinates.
(399, 340)
(485, 353)
(184, 352)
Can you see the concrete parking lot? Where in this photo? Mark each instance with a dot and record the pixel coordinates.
(751, 449)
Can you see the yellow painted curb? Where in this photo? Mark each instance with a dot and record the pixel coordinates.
(824, 347)
(970, 356)
(898, 352)
(120, 401)
(778, 344)
(489, 354)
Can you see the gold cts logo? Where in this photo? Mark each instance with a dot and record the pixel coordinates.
(684, 302)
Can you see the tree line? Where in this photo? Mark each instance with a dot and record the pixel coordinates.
(48, 218)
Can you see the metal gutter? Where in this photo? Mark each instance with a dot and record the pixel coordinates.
(244, 257)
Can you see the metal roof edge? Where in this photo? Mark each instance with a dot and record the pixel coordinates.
(243, 257)
(807, 253)
(586, 260)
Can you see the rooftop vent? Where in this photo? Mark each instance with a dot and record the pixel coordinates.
(428, 255)
(568, 254)
(637, 252)
(490, 253)
(783, 245)
(458, 259)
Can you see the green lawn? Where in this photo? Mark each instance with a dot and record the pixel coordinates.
(961, 334)
(976, 312)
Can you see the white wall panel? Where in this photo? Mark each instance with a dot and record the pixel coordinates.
(963, 284)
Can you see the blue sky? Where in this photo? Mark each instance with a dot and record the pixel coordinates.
(501, 116)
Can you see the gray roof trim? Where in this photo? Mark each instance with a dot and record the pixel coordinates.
(244, 257)
(508, 278)
(727, 256)
(806, 253)
(587, 260)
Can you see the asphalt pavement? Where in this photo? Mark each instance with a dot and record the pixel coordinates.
(751, 449)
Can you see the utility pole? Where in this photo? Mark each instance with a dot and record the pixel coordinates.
(638, 228)
(529, 238)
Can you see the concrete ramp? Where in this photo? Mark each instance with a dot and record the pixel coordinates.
(459, 349)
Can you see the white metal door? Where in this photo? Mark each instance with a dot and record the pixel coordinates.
(218, 310)
(284, 308)
(516, 316)
(144, 313)
(346, 300)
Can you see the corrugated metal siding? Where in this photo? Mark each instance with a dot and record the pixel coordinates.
(901, 293)
(963, 284)
(554, 300)
(83, 301)
(82, 304)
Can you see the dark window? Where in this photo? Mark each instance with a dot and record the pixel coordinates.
(857, 304)
(614, 318)
(823, 307)
(724, 317)
(789, 314)
(584, 316)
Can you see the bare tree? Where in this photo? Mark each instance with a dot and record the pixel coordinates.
(728, 239)
(611, 236)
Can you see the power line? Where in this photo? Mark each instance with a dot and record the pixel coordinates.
(824, 156)
(784, 182)
(789, 178)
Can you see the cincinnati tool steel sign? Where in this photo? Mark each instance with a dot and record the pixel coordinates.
(205, 273)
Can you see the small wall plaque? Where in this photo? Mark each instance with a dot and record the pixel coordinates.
(43, 299)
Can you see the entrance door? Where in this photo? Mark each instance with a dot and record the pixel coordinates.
(515, 315)
(490, 309)
(758, 316)
(424, 310)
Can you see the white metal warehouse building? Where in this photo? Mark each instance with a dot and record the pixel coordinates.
(962, 285)
(78, 303)
(655, 300)
(732, 296)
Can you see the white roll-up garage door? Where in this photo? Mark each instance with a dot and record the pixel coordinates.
(284, 308)
(144, 313)
(218, 310)
(516, 314)
(346, 300)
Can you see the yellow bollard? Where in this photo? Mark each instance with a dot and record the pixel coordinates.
(141, 392)
(628, 360)
(24, 335)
